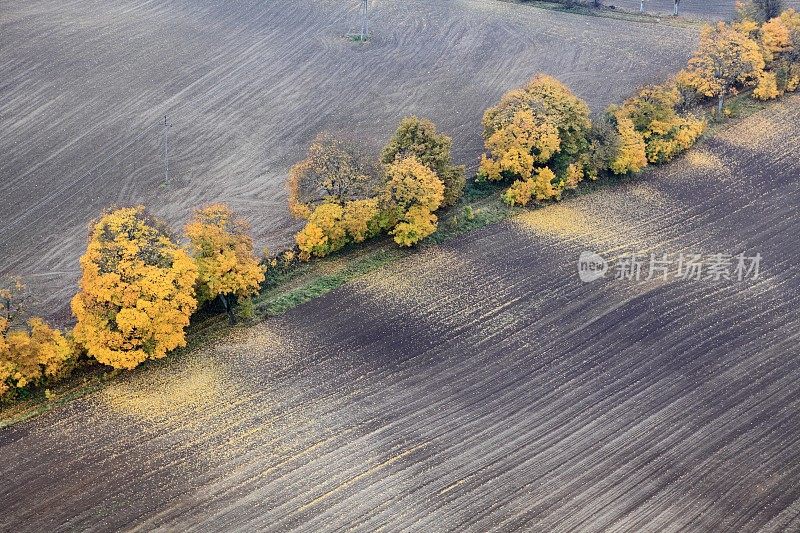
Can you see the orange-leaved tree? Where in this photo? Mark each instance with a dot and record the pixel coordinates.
(227, 267)
(413, 192)
(334, 170)
(137, 290)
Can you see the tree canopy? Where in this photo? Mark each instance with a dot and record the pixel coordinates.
(334, 170)
(413, 192)
(418, 137)
(136, 290)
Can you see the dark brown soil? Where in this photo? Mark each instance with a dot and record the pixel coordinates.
(478, 385)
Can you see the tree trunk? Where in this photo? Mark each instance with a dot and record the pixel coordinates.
(228, 309)
(676, 7)
(641, 6)
(721, 104)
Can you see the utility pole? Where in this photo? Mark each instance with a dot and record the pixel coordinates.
(364, 20)
(167, 126)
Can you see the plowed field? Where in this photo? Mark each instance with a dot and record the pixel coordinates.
(479, 385)
(247, 84)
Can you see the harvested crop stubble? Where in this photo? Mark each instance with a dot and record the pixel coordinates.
(700, 158)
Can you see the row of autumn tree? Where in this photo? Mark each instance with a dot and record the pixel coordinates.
(347, 198)
(541, 139)
(139, 287)
(138, 290)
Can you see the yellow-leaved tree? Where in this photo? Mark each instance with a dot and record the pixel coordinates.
(540, 187)
(413, 192)
(766, 86)
(542, 125)
(780, 39)
(653, 112)
(362, 219)
(631, 156)
(31, 351)
(331, 226)
(418, 137)
(517, 146)
(337, 189)
(137, 290)
(29, 355)
(227, 267)
(324, 233)
(726, 59)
